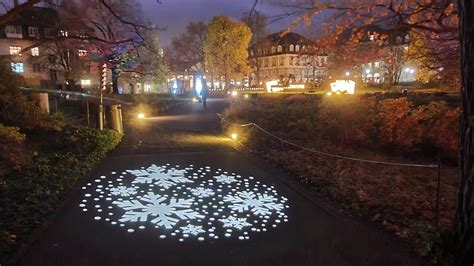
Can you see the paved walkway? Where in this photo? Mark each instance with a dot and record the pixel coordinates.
(177, 193)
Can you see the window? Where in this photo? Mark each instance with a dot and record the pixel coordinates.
(48, 33)
(63, 33)
(280, 48)
(18, 67)
(13, 31)
(274, 61)
(259, 52)
(372, 37)
(282, 61)
(297, 49)
(377, 64)
(15, 50)
(35, 51)
(85, 82)
(33, 32)
(266, 62)
(292, 48)
(147, 88)
(82, 52)
(407, 38)
(36, 68)
(273, 50)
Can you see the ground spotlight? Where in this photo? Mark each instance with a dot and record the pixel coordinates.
(233, 136)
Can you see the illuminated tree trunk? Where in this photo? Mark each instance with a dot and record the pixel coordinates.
(465, 209)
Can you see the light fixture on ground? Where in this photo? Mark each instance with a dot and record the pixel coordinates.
(234, 136)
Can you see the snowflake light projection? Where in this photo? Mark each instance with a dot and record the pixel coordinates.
(185, 202)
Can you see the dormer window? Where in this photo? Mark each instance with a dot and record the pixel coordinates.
(292, 48)
(33, 32)
(407, 38)
(280, 48)
(297, 49)
(273, 49)
(13, 31)
(372, 37)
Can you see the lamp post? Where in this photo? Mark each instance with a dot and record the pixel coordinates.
(102, 88)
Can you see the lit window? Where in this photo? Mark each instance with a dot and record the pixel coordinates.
(17, 67)
(292, 48)
(280, 48)
(273, 49)
(85, 82)
(377, 64)
(297, 49)
(14, 50)
(35, 51)
(63, 33)
(372, 37)
(82, 52)
(147, 88)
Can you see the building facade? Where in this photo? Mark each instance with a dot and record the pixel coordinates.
(288, 58)
(30, 45)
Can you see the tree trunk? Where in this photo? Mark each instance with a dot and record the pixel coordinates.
(464, 214)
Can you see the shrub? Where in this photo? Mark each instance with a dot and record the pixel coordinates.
(12, 150)
(16, 109)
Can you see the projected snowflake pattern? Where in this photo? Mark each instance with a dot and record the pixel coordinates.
(185, 202)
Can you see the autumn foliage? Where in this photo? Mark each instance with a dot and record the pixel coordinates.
(380, 127)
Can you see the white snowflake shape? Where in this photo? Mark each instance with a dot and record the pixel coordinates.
(160, 176)
(202, 192)
(257, 203)
(166, 214)
(235, 222)
(192, 229)
(225, 179)
(123, 191)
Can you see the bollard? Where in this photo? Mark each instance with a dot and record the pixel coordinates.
(116, 118)
(42, 100)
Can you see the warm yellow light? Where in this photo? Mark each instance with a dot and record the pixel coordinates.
(235, 93)
(233, 136)
(328, 93)
(141, 116)
(195, 100)
(246, 96)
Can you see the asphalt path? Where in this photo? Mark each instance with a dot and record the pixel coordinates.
(177, 192)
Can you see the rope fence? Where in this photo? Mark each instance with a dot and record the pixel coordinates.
(327, 154)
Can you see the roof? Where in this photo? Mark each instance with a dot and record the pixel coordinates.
(282, 38)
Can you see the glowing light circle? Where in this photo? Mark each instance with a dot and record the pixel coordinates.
(185, 203)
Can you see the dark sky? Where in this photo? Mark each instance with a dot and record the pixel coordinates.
(175, 14)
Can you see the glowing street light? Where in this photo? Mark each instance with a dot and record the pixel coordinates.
(234, 136)
(141, 116)
(348, 73)
(235, 93)
(367, 71)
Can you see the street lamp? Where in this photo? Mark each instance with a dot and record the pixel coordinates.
(367, 71)
(348, 73)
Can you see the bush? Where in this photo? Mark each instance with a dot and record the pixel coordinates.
(16, 109)
(58, 163)
(12, 150)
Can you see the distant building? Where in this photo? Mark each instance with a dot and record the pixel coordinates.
(386, 50)
(27, 42)
(288, 57)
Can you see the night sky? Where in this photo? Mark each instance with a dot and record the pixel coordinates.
(175, 14)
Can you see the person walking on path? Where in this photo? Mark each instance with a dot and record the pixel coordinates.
(204, 94)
